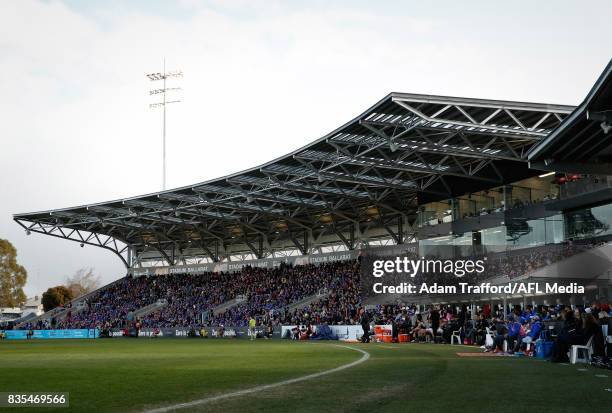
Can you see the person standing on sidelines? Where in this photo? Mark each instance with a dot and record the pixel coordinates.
(252, 324)
(365, 325)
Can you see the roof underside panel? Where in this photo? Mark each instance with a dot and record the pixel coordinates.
(362, 180)
(583, 142)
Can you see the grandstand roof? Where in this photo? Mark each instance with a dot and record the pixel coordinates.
(581, 144)
(359, 183)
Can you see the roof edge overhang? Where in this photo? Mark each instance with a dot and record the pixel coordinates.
(376, 188)
(393, 96)
(580, 112)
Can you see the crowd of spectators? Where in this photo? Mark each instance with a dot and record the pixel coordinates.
(188, 296)
(189, 300)
(277, 289)
(339, 306)
(520, 262)
(109, 306)
(502, 330)
(330, 292)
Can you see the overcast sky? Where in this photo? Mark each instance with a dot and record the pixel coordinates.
(261, 78)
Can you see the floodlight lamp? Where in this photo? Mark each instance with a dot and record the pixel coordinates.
(155, 76)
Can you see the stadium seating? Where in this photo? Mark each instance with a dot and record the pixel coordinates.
(325, 294)
(189, 300)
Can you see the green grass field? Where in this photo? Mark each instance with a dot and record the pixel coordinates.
(137, 375)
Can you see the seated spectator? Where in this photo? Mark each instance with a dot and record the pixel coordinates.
(421, 330)
(592, 329)
(533, 333)
(570, 334)
(481, 330)
(469, 332)
(501, 335)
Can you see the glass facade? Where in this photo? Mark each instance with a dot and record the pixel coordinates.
(528, 233)
(517, 232)
(527, 192)
(589, 222)
(431, 245)
(536, 232)
(494, 239)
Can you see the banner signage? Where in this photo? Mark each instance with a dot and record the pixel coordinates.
(236, 266)
(211, 332)
(51, 334)
(343, 332)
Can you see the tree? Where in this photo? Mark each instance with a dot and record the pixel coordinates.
(55, 297)
(12, 277)
(82, 282)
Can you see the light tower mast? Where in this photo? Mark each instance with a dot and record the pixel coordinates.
(163, 76)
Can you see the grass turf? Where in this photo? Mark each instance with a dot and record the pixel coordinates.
(133, 375)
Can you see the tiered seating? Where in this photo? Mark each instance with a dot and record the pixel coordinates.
(188, 300)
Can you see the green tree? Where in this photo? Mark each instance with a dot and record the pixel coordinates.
(12, 277)
(56, 296)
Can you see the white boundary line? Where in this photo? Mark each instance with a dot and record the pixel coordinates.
(365, 356)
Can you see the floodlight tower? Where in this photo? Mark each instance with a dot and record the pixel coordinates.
(154, 77)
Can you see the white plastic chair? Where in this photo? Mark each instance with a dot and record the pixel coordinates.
(489, 338)
(456, 335)
(492, 335)
(575, 352)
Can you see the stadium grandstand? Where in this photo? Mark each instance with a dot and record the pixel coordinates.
(361, 185)
(283, 242)
(435, 236)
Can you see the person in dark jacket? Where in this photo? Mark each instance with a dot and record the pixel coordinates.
(365, 325)
(501, 334)
(481, 330)
(463, 315)
(434, 317)
(570, 334)
(593, 329)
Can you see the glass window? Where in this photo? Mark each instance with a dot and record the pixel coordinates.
(591, 222)
(494, 239)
